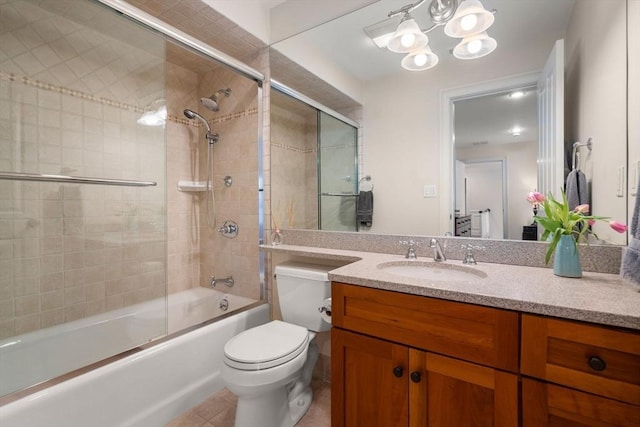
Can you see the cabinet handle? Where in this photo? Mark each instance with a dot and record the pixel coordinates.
(597, 364)
(416, 376)
(398, 371)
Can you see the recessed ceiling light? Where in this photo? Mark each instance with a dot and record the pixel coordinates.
(515, 131)
(517, 94)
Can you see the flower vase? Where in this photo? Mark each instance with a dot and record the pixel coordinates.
(567, 260)
(276, 237)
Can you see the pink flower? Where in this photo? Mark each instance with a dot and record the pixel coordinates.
(591, 222)
(535, 197)
(618, 226)
(582, 208)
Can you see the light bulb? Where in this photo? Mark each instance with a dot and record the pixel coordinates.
(474, 46)
(516, 94)
(407, 40)
(420, 59)
(469, 21)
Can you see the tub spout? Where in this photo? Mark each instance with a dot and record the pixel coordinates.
(228, 281)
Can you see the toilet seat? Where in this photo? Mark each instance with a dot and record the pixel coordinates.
(266, 346)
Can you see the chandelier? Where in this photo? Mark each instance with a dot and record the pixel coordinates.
(467, 20)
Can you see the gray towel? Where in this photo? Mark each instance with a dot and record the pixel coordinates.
(630, 268)
(364, 208)
(576, 188)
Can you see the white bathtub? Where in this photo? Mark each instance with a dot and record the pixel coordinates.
(148, 388)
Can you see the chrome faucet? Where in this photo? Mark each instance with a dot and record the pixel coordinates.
(438, 253)
(228, 281)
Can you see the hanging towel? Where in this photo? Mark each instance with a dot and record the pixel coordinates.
(576, 188)
(630, 268)
(364, 208)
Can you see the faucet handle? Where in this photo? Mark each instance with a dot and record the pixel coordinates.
(469, 258)
(411, 250)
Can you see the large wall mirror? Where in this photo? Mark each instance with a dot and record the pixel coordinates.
(416, 126)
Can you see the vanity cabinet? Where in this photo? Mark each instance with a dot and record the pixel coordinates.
(406, 360)
(581, 374)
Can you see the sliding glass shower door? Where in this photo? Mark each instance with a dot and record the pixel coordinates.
(337, 174)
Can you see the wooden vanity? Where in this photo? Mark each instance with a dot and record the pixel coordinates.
(411, 360)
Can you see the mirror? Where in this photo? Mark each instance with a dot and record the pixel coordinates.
(407, 118)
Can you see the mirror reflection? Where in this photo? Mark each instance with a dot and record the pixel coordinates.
(409, 143)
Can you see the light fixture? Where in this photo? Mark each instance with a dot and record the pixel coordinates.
(475, 46)
(155, 114)
(467, 20)
(407, 37)
(470, 18)
(515, 131)
(517, 94)
(419, 60)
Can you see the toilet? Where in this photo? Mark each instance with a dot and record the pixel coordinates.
(269, 367)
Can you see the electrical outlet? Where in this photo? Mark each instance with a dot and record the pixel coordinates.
(621, 177)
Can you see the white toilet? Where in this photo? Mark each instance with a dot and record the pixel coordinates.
(269, 367)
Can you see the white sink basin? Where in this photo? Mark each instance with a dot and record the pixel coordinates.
(432, 271)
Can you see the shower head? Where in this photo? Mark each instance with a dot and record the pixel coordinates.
(212, 102)
(190, 114)
(211, 137)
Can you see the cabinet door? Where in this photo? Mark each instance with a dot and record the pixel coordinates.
(369, 381)
(549, 405)
(448, 392)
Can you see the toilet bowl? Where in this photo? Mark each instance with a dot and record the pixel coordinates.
(269, 367)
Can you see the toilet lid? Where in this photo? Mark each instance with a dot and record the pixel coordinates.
(266, 346)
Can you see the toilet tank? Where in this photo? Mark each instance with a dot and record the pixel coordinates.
(302, 288)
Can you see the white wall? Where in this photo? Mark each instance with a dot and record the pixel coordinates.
(402, 123)
(596, 107)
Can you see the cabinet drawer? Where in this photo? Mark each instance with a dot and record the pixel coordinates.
(478, 334)
(597, 359)
(545, 404)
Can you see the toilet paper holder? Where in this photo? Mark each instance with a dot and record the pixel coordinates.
(325, 310)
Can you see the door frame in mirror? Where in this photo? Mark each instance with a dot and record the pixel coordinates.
(447, 159)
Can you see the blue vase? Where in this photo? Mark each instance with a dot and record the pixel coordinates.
(567, 261)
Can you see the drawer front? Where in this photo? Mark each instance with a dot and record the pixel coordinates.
(545, 404)
(478, 334)
(597, 359)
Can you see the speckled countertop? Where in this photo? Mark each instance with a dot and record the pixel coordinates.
(600, 298)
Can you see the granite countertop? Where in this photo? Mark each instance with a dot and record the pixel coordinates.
(600, 298)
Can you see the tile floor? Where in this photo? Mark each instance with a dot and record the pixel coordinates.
(220, 409)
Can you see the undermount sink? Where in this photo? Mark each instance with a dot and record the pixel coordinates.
(432, 271)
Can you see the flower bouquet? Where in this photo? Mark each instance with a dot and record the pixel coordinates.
(558, 221)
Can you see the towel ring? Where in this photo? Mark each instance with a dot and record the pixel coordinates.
(575, 156)
(365, 178)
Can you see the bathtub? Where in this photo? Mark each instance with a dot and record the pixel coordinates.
(147, 388)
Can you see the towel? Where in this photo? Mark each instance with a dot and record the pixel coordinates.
(630, 268)
(576, 188)
(364, 208)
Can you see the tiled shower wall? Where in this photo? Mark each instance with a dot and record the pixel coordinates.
(294, 175)
(70, 96)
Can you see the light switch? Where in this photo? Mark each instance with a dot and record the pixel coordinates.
(430, 190)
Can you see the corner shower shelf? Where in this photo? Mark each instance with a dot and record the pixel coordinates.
(192, 186)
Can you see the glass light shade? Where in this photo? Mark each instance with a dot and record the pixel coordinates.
(420, 60)
(407, 37)
(470, 18)
(475, 46)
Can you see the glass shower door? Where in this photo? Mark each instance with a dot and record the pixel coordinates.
(337, 174)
